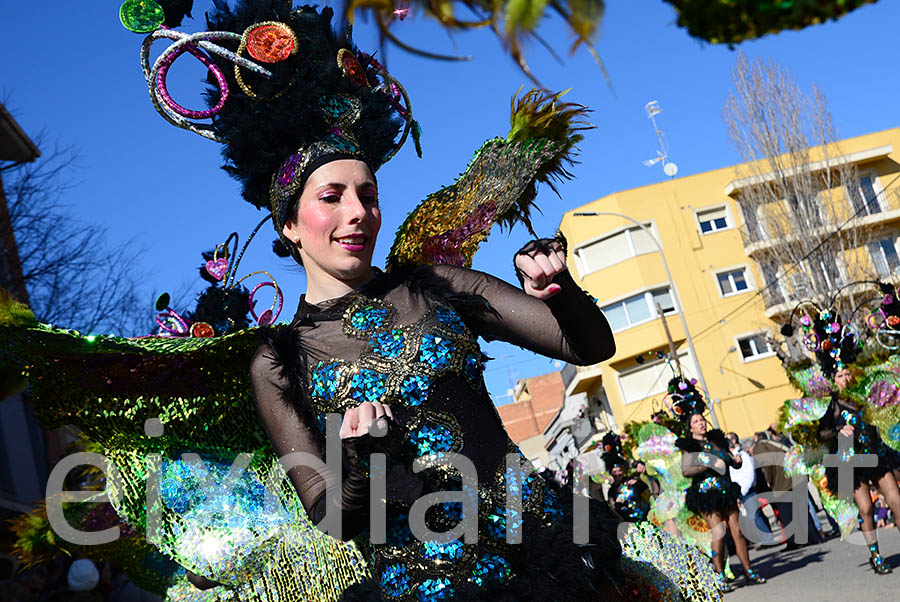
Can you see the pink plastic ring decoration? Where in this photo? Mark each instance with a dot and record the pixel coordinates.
(207, 62)
(172, 317)
(270, 315)
(194, 44)
(812, 341)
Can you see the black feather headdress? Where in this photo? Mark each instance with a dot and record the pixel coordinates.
(287, 94)
(684, 398)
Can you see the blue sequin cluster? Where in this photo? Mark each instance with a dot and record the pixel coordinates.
(365, 316)
(447, 552)
(450, 319)
(711, 483)
(414, 389)
(325, 379)
(395, 580)
(388, 344)
(367, 385)
(490, 569)
(432, 438)
(399, 365)
(435, 351)
(435, 589)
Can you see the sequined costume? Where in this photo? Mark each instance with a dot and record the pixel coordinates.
(631, 499)
(710, 490)
(409, 342)
(866, 440)
(655, 445)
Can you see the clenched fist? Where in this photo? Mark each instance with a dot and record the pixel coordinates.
(537, 264)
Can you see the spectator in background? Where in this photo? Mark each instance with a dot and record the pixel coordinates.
(745, 476)
(883, 518)
(773, 435)
(780, 483)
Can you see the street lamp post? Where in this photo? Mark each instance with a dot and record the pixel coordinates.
(674, 289)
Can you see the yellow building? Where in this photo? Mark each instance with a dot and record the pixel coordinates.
(732, 301)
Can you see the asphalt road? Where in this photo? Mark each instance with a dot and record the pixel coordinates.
(833, 571)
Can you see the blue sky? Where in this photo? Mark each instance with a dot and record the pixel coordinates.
(76, 75)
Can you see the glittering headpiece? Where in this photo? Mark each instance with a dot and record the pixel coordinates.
(683, 398)
(222, 308)
(834, 342)
(289, 93)
(884, 320)
(612, 451)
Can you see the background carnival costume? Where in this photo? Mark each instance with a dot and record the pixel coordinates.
(710, 490)
(288, 96)
(628, 495)
(868, 405)
(706, 459)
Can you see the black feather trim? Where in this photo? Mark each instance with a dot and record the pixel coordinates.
(175, 11)
(224, 309)
(260, 135)
(717, 437)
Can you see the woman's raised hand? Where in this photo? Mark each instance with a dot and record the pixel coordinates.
(360, 420)
(847, 430)
(537, 263)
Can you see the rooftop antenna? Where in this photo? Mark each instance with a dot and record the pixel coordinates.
(669, 168)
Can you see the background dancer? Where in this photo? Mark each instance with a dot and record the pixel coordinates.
(706, 459)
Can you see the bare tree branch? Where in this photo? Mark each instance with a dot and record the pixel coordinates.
(73, 277)
(801, 204)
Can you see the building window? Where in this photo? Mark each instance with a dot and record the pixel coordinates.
(650, 379)
(884, 257)
(638, 308)
(733, 282)
(754, 346)
(610, 250)
(864, 196)
(711, 220)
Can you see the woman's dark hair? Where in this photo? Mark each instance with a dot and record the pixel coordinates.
(282, 250)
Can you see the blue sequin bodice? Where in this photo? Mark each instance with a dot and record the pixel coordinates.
(424, 362)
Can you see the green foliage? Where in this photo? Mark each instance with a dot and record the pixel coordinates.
(523, 15)
(734, 21)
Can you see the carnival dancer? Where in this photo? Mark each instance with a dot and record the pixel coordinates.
(712, 494)
(842, 405)
(393, 352)
(628, 495)
(844, 418)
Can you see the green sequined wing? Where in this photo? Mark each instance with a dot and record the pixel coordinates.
(655, 446)
(878, 392)
(145, 402)
(498, 186)
(800, 417)
(807, 460)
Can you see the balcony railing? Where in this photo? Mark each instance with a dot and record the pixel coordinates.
(773, 296)
(755, 234)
